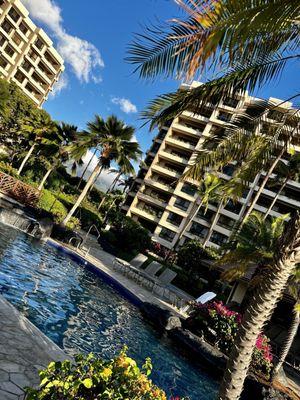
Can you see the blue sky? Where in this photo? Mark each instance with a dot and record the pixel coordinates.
(93, 40)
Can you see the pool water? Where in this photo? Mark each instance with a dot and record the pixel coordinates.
(82, 313)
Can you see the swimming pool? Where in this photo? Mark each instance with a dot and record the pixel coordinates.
(81, 312)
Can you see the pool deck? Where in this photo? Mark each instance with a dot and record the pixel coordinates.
(103, 261)
(24, 350)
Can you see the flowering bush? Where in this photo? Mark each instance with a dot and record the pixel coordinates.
(163, 252)
(225, 324)
(262, 356)
(89, 378)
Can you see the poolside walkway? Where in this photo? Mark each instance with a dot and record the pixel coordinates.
(104, 261)
(24, 350)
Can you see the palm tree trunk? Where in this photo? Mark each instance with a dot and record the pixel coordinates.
(109, 190)
(26, 158)
(276, 197)
(86, 168)
(292, 332)
(262, 186)
(84, 192)
(210, 231)
(188, 221)
(260, 310)
(45, 178)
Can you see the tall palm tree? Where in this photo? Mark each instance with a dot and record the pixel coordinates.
(125, 166)
(34, 129)
(260, 308)
(285, 172)
(111, 137)
(53, 148)
(208, 190)
(256, 244)
(294, 287)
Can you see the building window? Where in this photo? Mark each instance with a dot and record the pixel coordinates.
(7, 26)
(9, 51)
(14, 15)
(198, 230)
(167, 234)
(39, 44)
(182, 204)
(20, 76)
(224, 116)
(218, 238)
(26, 66)
(23, 28)
(3, 63)
(276, 115)
(189, 189)
(226, 222)
(230, 102)
(174, 219)
(2, 40)
(233, 207)
(207, 215)
(228, 169)
(17, 39)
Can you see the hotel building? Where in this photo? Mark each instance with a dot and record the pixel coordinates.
(162, 203)
(27, 55)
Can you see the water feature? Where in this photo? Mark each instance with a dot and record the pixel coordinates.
(82, 313)
(16, 218)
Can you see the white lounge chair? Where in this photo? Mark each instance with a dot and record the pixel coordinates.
(138, 260)
(167, 276)
(204, 298)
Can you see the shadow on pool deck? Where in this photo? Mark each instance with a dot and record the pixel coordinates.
(24, 350)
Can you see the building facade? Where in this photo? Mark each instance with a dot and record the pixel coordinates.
(27, 55)
(162, 203)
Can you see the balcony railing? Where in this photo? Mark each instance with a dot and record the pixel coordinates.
(18, 190)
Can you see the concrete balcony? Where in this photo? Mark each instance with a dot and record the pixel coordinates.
(166, 171)
(185, 129)
(180, 143)
(153, 200)
(144, 213)
(173, 157)
(195, 117)
(159, 185)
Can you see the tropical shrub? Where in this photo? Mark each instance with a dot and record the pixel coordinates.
(131, 236)
(192, 254)
(8, 169)
(220, 324)
(89, 378)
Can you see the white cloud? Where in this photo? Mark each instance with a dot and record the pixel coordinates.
(125, 104)
(83, 57)
(60, 85)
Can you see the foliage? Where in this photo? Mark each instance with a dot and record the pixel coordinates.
(255, 243)
(170, 256)
(8, 169)
(90, 378)
(49, 202)
(225, 323)
(192, 254)
(131, 236)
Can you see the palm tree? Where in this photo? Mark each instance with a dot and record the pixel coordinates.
(34, 129)
(260, 308)
(286, 171)
(111, 137)
(125, 166)
(256, 244)
(294, 287)
(53, 148)
(207, 190)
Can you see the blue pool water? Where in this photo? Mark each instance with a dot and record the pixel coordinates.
(82, 313)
